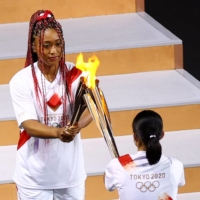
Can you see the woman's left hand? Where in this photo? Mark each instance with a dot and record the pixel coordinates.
(70, 132)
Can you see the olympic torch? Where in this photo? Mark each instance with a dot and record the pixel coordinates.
(91, 96)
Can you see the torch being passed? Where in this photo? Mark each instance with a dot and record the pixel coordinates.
(89, 94)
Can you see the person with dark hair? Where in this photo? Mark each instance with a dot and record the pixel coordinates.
(49, 161)
(148, 174)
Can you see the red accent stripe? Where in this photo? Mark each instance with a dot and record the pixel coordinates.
(24, 137)
(125, 159)
(73, 74)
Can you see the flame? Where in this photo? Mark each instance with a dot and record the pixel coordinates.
(90, 67)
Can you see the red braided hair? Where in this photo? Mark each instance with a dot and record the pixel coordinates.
(39, 22)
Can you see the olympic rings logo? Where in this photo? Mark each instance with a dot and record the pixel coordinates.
(151, 187)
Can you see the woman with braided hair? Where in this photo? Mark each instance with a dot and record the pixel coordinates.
(49, 163)
(147, 175)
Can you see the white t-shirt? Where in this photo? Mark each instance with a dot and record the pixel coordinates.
(142, 181)
(44, 163)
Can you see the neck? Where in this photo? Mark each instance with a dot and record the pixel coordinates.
(49, 72)
(140, 145)
(142, 148)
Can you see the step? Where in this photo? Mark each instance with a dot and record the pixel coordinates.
(134, 40)
(124, 144)
(186, 196)
(8, 192)
(97, 156)
(168, 92)
(189, 196)
(21, 11)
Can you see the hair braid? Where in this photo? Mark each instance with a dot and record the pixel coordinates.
(63, 71)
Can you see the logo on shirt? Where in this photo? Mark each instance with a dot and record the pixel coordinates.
(55, 120)
(147, 186)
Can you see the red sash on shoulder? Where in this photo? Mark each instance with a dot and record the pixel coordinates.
(125, 159)
(72, 75)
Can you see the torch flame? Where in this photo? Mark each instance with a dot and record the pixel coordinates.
(90, 67)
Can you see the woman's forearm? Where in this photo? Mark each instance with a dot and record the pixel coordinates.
(37, 129)
(85, 119)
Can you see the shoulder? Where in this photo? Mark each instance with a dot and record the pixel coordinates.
(73, 70)
(70, 65)
(171, 161)
(21, 76)
(176, 162)
(176, 165)
(178, 171)
(114, 163)
(113, 168)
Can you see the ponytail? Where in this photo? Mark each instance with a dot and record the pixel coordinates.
(148, 127)
(153, 151)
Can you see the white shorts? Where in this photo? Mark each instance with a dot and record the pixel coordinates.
(72, 193)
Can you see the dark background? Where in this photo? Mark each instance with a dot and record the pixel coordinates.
(182, 18)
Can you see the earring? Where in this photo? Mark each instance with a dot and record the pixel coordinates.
(33, 48)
